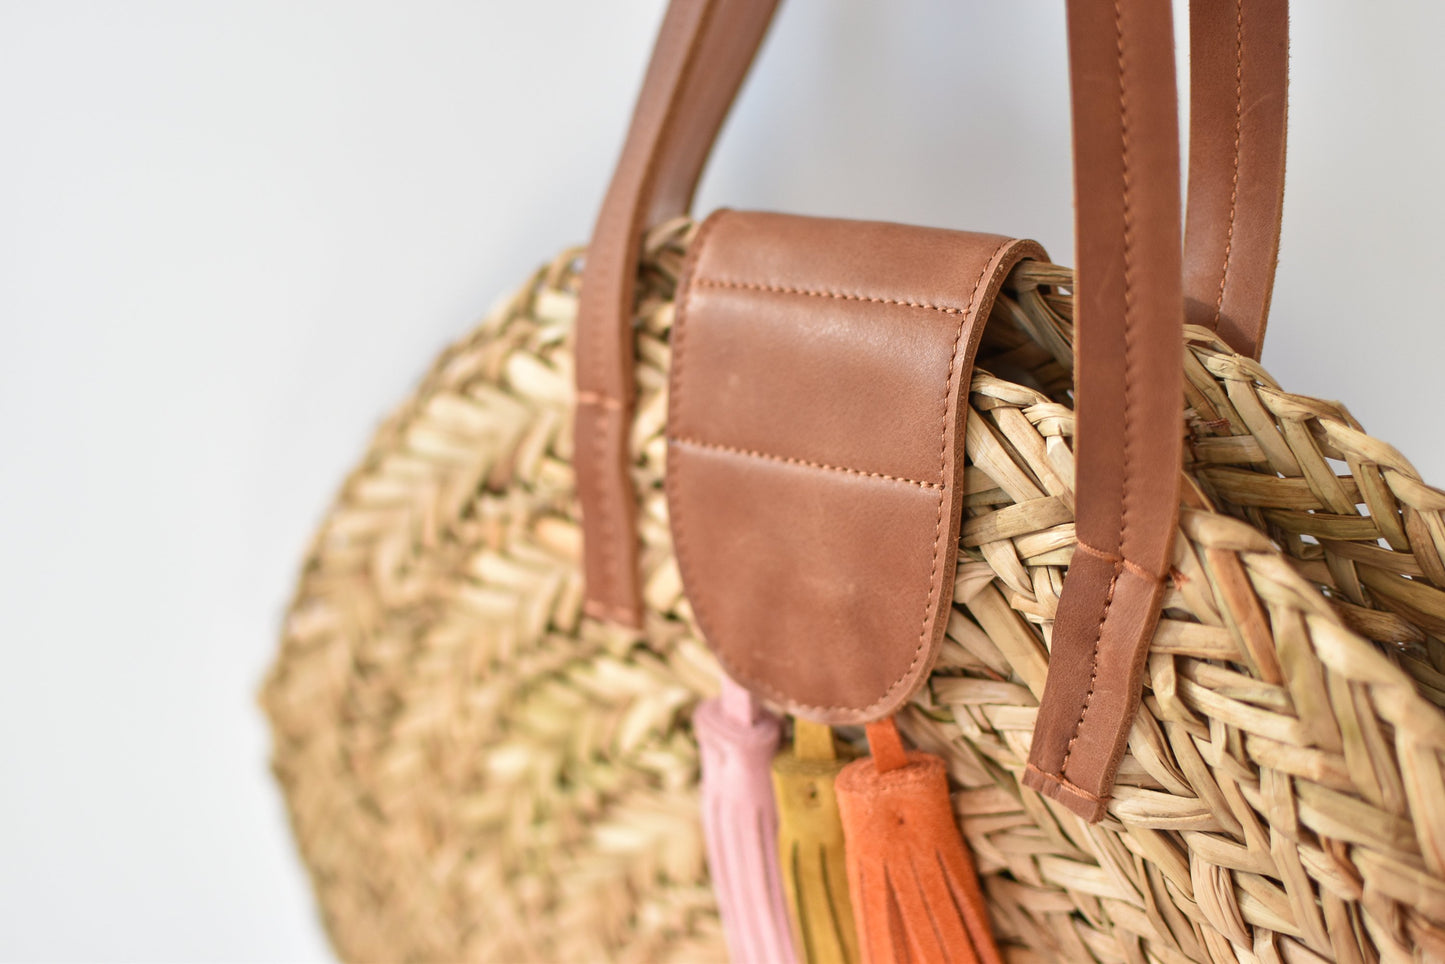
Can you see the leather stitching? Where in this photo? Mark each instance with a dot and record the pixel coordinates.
(1118, 560)
(606, 524)
(605, 611)
(1234, 176)
(1093, 668)
(679, 322)
(1128, 213)
(948, 394)
(1068, 784)
(801, 463)
(819, 293)
(600, 400)
(686, 286)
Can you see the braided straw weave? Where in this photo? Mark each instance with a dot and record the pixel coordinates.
(474, 771)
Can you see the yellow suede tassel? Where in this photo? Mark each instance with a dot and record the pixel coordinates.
(810, 847)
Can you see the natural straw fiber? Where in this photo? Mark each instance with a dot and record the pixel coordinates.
(476, 772)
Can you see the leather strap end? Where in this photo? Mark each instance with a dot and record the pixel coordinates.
(1096, 668)
(1075, 799)
(614, 593)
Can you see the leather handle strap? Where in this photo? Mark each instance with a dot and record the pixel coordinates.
(701, 56)
(1238, 107)
(1239, 61)
(1127, 376)
(1128, 305)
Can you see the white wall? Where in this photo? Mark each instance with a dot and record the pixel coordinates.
(233, 233)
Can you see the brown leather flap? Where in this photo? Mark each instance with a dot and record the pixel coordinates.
(815, 448)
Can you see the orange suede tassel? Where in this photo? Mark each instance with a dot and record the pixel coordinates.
(915, 894)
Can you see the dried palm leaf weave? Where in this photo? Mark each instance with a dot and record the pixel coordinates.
(476, 772)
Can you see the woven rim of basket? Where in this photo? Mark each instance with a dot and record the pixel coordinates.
(473, 770)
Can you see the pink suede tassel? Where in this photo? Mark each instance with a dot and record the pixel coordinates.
(740, 823)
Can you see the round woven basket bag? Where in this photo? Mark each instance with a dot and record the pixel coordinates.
(477, 771)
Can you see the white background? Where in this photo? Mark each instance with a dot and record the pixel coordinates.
(232, 234)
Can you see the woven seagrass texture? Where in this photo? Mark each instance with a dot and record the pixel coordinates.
(474, 771)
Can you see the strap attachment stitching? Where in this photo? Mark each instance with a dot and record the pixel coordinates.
(1234, 174)
(729, 283)
(1067, 784)
(800, 463)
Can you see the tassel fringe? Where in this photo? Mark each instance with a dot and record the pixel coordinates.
(740, 824)
(912, 881)
(810, 845)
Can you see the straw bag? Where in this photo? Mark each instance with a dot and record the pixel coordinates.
(1185, 716)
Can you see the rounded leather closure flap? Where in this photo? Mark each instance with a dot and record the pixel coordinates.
(815, 448)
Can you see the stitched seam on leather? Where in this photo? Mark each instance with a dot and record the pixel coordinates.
(801, 463)
(601, 608)
(675, 502)
(606, 524)
(1234, 176)
(605, 611)
(822, 293)
(596, 472)
(671, 484)
(948, 394)
(1067, 784)
(1093, 669)
(598, 399)
(679, 322)
(1128, 213)
(1118, 560)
